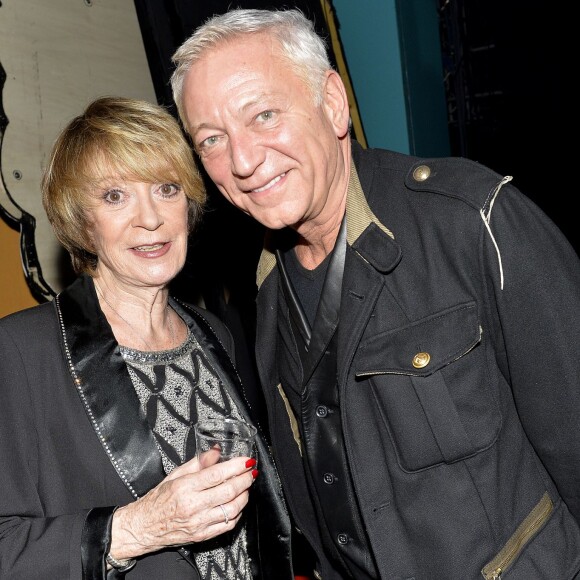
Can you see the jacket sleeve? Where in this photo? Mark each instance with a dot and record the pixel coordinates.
(539, 322)
(95, 544)
(32, 545)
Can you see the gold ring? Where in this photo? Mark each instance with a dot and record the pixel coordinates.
(227, 520)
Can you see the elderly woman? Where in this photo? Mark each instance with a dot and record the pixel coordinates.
(100, 388)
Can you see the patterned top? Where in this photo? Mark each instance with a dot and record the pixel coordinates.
(177, 388)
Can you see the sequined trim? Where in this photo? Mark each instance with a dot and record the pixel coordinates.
(158, 356)
(78, 385)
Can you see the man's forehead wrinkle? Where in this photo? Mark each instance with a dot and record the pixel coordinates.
(243, 88)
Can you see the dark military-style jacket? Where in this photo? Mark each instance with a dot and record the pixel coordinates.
(458, 375)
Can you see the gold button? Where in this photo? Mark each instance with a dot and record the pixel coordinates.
(421, 360)
(421, 173)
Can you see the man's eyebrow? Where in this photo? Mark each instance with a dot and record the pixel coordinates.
(193, 131)
(255, 100)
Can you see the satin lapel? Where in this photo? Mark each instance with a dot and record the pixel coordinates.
(105, 388)
(328, 312)
(267, 308)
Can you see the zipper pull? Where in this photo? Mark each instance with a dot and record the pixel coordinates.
(496, 574)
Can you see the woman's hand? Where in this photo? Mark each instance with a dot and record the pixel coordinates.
(184, 507)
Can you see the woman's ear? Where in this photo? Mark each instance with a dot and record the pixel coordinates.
(335, 101)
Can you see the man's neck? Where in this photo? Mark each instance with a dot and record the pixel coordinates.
(312, 252)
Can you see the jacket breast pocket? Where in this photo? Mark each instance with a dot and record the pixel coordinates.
(432, 387)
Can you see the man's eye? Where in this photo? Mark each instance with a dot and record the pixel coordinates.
(209, 142)
(266, 116)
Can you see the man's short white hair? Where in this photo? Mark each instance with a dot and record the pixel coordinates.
(299, 44)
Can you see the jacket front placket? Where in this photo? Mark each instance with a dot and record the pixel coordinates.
(320, 422)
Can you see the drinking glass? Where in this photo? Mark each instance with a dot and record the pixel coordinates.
(233, 437)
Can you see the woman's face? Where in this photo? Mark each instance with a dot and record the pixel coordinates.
(139, 231)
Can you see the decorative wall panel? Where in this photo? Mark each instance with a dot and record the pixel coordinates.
(55, 57)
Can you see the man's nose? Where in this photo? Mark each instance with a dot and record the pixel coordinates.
(246, 154)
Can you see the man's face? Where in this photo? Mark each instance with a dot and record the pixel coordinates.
(268, 148)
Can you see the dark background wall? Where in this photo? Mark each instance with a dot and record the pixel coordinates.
(509, 85)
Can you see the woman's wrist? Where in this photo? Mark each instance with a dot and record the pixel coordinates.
(120, 565)
(123, 547)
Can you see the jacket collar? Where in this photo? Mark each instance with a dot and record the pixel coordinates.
(104, 385)
(366, 234)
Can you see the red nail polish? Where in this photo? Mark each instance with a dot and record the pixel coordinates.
(255, 473)
(250, 463)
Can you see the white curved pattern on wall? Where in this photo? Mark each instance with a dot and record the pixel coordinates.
(55, 57)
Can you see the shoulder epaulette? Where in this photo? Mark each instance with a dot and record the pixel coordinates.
(455, 177)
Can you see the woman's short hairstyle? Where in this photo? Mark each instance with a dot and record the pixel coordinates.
(119, 137)
(299, 44)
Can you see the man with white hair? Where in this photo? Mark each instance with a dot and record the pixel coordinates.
(418, 324)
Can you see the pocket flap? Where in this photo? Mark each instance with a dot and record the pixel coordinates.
(423, 347)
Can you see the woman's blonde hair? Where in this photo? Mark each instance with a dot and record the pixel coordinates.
(114, 136)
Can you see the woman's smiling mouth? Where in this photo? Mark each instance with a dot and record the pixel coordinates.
(150, 248)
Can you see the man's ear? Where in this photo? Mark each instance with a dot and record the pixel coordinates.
(335, 102)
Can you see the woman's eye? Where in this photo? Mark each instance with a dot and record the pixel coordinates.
(113, 196)
(169, 189)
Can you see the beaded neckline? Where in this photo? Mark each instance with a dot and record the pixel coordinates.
(158, 356)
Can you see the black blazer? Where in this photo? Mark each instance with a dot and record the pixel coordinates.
(74, 444)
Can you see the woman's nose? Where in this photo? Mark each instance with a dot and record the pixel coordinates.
(147, 215)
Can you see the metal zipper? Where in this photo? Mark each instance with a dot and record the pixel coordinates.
(514, 546)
